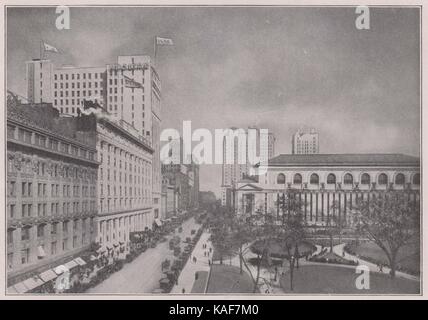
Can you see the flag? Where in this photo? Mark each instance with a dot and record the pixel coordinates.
(164, 41)
(131, 83)
(48, 47)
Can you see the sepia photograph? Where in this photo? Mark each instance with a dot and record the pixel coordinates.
(247, 150)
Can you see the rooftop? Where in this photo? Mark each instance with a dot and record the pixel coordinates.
(345, 159)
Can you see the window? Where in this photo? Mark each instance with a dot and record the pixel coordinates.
(416, 179)
(40, 230)
(365, 178)
(331, 179)
(25, 256)
(297, 178)
(314, 179)
(348, 179)
(399, 179)
(9, 236)
(54, 228)
(25, 233)
(382, 179)
(280, 179)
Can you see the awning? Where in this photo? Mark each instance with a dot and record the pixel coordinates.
(48, 275)
(158, 222)
(60, 269)
(41, 252)
(21, 287)
(80, 261)
(33, 282)
(71, 264)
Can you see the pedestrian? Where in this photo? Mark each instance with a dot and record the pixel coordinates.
(183, 291)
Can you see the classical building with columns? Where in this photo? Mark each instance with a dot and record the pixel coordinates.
(326, 184)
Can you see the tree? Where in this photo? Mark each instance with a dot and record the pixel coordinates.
(293, 232)
(390, 220)
(335, 224)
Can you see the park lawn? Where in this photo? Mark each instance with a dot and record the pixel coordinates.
(408, 256)
(199, 285)
(341, 280)
(227, 279)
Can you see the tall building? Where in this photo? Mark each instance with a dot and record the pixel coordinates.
(39, 81)
(236, 170)
(305, 142)
(51, 193)
(129, 90)
(125, 198)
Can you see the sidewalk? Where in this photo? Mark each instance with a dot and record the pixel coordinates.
(339, 250)
(187, 275)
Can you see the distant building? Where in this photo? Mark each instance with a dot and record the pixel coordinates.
(305, 142)
(236, 171)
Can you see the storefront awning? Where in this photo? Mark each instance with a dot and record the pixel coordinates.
(21, 287)
(60, 269)
(80, 261)
(71, 264)
(33, 282)
(158, 222)
(48, 275)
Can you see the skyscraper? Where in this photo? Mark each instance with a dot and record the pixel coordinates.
(305, 142)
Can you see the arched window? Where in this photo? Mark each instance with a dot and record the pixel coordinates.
(416, 179)
(314, 179)
(297, 178)
(399, 179)
(331, 179)
(365, 178)
(280, 179)
(348, 179)
(382, 179)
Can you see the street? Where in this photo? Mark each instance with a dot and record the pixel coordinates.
(143, 274)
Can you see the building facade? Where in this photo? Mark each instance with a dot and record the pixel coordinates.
(124, 186)
(51, 190)
(305, 142)
(327, 184)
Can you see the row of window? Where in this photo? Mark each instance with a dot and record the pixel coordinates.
(41, 140)
(42, 208)
(27, 190)
(76, 76)
(348, 179)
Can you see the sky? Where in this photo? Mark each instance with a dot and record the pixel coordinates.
(279, 68)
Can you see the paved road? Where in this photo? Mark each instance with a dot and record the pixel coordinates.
(143, 274)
